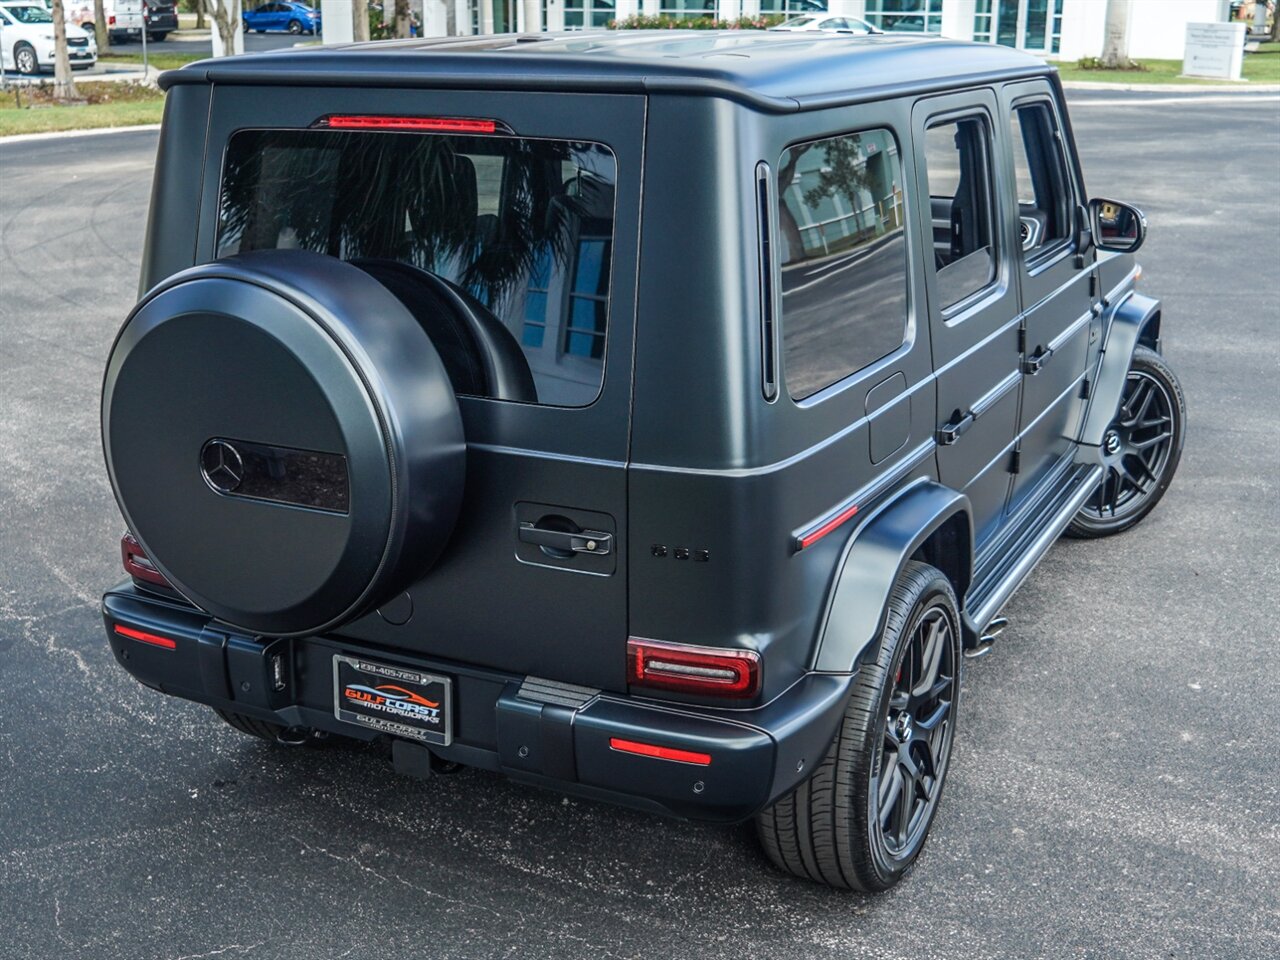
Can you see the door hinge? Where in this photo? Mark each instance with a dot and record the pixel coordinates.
(1022, 339)
(1093, 286)
(1085, 388)
(1015, 463)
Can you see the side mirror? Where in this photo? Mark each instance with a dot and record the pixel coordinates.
(1116, 226)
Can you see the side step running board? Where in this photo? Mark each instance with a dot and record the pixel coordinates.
(999, 596)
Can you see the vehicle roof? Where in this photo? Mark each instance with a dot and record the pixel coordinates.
(775, 71)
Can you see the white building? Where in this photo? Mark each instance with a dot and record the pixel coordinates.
(1063, 29)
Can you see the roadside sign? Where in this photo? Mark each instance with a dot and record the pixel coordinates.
(1214, 50)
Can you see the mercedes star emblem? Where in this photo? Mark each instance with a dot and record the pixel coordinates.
(221, 465)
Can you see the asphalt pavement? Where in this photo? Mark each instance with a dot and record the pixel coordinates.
(1115, 787)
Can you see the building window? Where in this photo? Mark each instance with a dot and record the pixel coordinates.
(958, 165)
(914, 16)
(792, 8)
(843, 257)
(1055, 40)
(589, 297)
(535, 302)
(982, 22)
(687, 9)
(588, 14)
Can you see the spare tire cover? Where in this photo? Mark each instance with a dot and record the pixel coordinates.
(282, 439)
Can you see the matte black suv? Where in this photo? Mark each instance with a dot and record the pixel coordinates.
(656, 417)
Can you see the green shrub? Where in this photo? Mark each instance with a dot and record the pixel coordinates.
(663, 22)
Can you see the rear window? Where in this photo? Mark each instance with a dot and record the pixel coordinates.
(523, 226)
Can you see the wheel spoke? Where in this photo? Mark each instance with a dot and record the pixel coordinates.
(931, 657)
(939, 714)
(1145, 444)
(906, 806)
(890, 791)
(899, 701)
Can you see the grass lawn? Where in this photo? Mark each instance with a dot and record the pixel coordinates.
(160, 61)
(110, 104)
(1260, 67)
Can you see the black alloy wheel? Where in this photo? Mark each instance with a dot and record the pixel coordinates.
(917, 735)
(861, 819)
(1140, 449)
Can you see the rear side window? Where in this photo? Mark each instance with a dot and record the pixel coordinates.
(524, 227)
(958, 161)
(844, 257)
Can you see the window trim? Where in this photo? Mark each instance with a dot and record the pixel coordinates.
(775, 190)
(956, 312)
(1046, 257)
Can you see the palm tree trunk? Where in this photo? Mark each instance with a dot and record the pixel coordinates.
(201, 23)
(226, 19)
(402, 18)
(1115, 46)
(63, 87)
(101, 34)
(360, 19)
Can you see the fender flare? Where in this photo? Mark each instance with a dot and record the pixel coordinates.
(869, 566)
(1128, 328)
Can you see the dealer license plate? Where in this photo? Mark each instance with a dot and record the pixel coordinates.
(394, 700)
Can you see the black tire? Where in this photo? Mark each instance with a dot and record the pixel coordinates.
(295, 27)
(1148, 433)
(830, 828)
(24, 58)
(157, 37)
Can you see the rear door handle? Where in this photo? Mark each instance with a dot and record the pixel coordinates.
(1033, 365)
(949, 433)
(584, 541)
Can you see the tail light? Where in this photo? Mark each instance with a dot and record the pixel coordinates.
(137, 564)
(151, 639)
(709, 671)
(417, 124)
(660, 753)
(111, 20)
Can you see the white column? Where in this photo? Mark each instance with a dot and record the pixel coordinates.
(845, 8)
(435, 18)
(728, 9)
(627, 8)
(335, 17)
(529, 16)
(1083, 28)
(957, 18)
(650, 8)
(486, 16)
(751, 8)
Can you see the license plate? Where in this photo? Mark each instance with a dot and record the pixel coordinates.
(404, 703)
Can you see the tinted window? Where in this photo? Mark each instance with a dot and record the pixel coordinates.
(1044, 194)
(958, 161)
(844, 257)
(523, 226)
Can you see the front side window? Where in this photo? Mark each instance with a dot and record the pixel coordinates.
(523, 227)
(1044, 193)
(843, 252)
(958, 162)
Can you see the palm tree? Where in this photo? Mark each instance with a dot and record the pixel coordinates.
(1115, 46)
(397, 197)
(63, 86)
(101, 34)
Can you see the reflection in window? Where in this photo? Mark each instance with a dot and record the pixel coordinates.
(504, 219)
(844, 258)
(915, 16)
(957, 160)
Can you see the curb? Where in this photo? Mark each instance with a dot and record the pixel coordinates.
(1226, 87)
(65, 134)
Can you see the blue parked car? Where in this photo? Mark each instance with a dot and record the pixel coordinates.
(283, 15)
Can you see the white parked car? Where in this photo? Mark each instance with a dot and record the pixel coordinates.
(26, 40)
(821, 22)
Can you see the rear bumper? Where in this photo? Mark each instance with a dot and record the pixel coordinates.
(549, 734)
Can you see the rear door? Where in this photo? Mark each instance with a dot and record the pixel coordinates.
(973, 298)
(1057, 299)
(517, 589)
